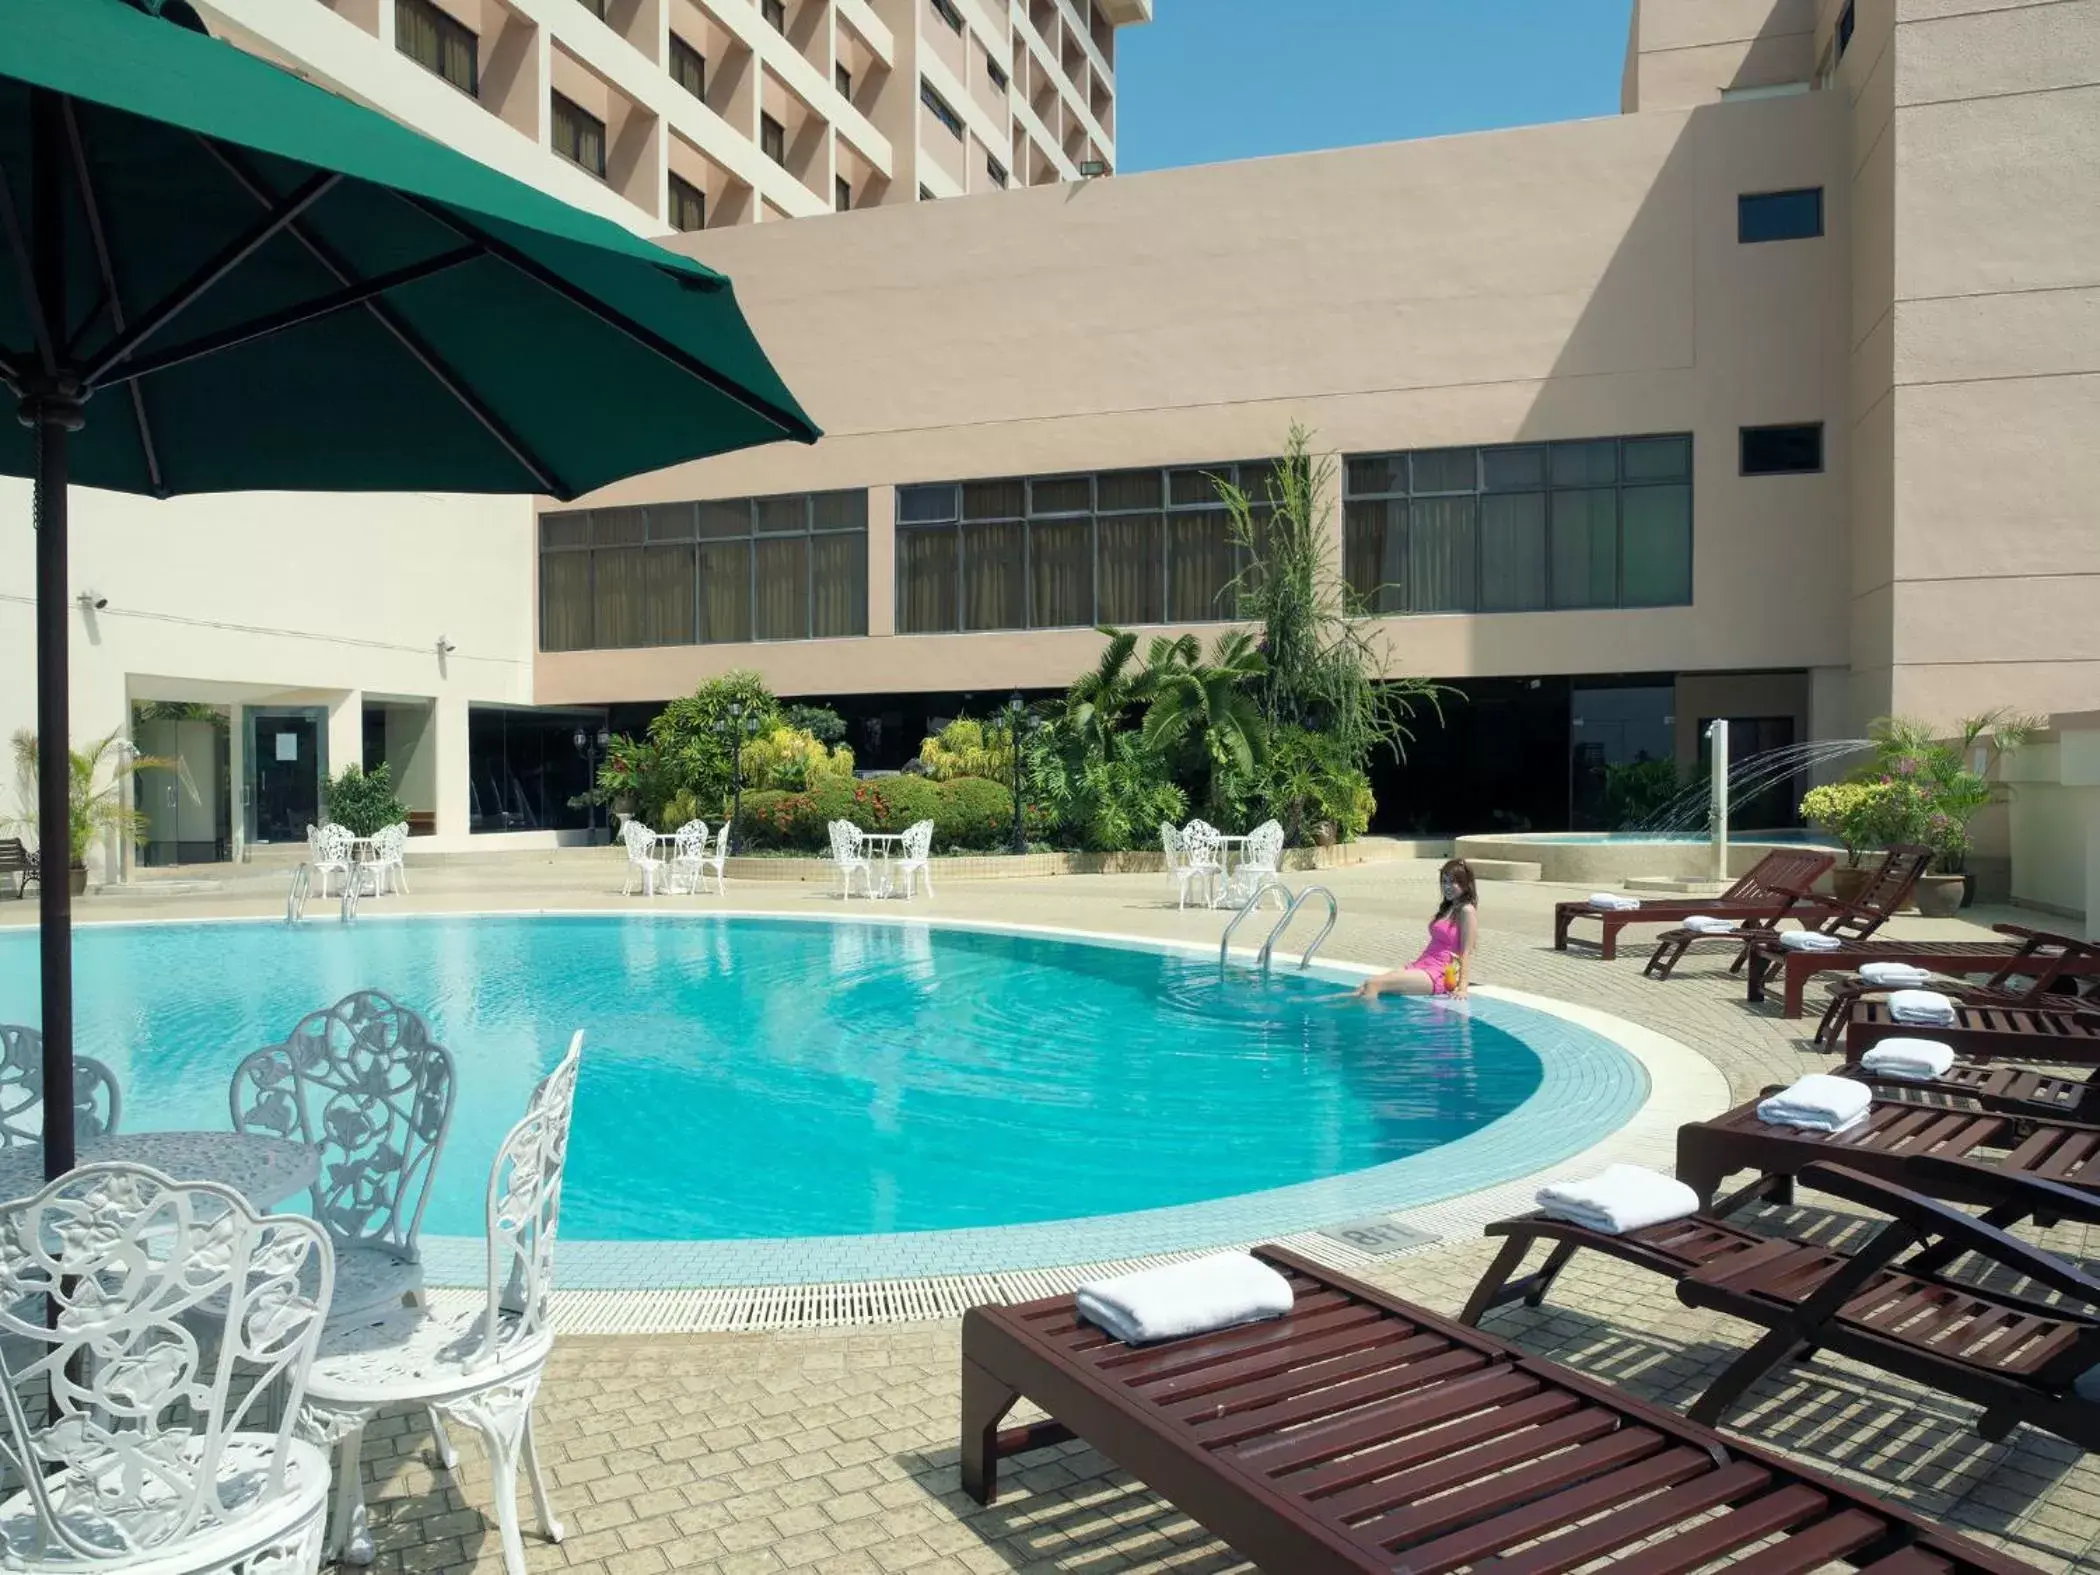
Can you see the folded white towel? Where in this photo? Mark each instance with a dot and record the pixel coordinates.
(1894, 976)
(1809, 941)
(1707, 924)
(1819, 1103)
(1619, 1199)
(1197, 1297)
(1613, 902)
(1920, 1059)
(1927, 1008)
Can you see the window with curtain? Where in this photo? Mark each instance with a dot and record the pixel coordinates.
(439, 42)
(1602, 522)
(717, 571)
(579, 136)
(1049, 552)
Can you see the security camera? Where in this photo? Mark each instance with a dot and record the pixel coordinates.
(94, 601)
(445, 646)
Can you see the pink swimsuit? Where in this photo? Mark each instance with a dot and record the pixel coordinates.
(1440, 961)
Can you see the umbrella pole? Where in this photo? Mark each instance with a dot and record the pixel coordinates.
(54, 791)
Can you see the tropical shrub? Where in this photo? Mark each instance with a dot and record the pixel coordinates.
(1919, 788)
(792, 759)
(1846, 811)
(973, 812)
(361, 800)
(969, 748)
(822, 723)
(769, 819)
(901, 802)
(1634, 790)
(90, 809)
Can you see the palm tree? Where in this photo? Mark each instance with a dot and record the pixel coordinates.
(90, 809)
(1213, 705)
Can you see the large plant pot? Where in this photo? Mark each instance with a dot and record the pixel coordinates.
(1849, 882)
(1939, 896)
(76, 880)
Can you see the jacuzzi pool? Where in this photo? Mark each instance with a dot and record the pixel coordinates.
(1603, 858)
(763, 1079)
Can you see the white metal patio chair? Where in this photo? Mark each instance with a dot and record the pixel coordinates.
(688, 855)
(480, 1365)
(718, 860)
(1260, 858)
(364, 1082)
(148, 1455)
(389, 866)
(846, 854)
(1192, 859)
(640, 842)
(328, 851)
(97, 1101)
(917, 860)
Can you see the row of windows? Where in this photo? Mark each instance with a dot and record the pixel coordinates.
(716, 572)
(1520, 528)
(1049, 552)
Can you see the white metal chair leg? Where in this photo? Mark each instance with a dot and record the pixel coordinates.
(550, 1528)
(349, 1535)
(447, 1456)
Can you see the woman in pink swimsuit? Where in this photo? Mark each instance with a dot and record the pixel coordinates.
(1440, 970)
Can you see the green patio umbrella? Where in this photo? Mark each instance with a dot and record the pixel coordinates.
(216, 276)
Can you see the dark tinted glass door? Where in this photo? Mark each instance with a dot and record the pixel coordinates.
(284, 768)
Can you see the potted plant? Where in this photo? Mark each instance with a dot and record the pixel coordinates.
(363, 801)
(90, 810)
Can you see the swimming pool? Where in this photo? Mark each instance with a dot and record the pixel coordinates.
(752, 1079)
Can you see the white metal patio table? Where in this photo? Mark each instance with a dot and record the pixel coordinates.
(884, 843)
(1225, 845)
(264, 1170)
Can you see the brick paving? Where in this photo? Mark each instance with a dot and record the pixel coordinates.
(834, 1450)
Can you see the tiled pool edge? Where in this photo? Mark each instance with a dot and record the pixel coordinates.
(828, 1281)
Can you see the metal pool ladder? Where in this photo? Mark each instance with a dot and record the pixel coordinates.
(1290, 912)
(302, 888)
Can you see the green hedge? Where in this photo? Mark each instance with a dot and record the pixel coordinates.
(967, 812)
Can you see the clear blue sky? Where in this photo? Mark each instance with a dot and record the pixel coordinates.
(1209, 80)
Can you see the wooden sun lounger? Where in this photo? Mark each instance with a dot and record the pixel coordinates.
(1889, 1305)
(1361, 1433)
(1797, 968)
(2032, 975)
(2068, 1035)
(2004, 1089)
(1981, 1148)
(1767, 893)
(1851, 921)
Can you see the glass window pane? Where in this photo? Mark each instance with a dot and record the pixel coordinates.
(1657, 458)
(1061, 495)
(1775, 451)
(1585, 548)
(994, 500)
(781, 590)
(1443, 555)
(1658, 540)
(1513, 551)
(1195, 486)
(1585, 464)
(670, 595)
(1258, 478)
(994, 592)
(1374, 543)
(1200, 566)
(782, 516)
(723, 517)
(565, 602)
(1061, 575)
(1132, 568)
(725, 592)
(1779, 215)
(616, 527)
(1513, 469)
(571, 529)
(1370, 474)
(839, 511)
(670, 521)
(1443, 470)
(838, 571)
(1121, 491)
(924, 505)
(926, 581)
(619, 597)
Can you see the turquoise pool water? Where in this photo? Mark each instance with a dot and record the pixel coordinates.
(748, 1078)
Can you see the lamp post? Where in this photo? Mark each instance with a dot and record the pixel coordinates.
(590, 745)
(1019, 722)
(738, 726)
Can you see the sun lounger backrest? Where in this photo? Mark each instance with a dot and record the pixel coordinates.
(1889, 890)
(1783, 873)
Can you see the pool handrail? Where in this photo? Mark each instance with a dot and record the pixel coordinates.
(1254, 900)
(1334, 913)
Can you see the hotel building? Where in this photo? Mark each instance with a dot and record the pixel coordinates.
(1770, 398)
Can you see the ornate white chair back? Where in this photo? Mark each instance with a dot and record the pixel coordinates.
(1170, 841)
(1264, 847)
(97, 1102)
(128, 1456)
(691, 841)
(918, 840)
(365, 1081)
(845, 842)
(721, 844)
(524, 1210)
(329, 843)
(1199, 840)
(639, 840)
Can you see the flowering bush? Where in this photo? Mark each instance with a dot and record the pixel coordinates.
(1918, 789)
(968, 812)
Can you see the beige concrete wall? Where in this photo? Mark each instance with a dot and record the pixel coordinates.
(1683, 53)
(1567, 281)
(2054, 820)
(1995, 355)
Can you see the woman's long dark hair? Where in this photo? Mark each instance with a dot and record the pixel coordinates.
(1462, 877)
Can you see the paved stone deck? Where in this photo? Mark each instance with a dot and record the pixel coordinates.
(834, 1451)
